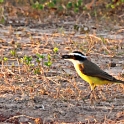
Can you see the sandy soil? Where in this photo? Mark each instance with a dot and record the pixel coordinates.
(57, 94)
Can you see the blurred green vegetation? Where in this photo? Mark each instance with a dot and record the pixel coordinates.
(59, 4)
(75, 5)
(61, 7)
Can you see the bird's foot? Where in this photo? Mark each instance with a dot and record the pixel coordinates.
(92, 96)
(87, 97)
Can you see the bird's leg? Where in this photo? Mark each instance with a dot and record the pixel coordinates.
(88, 96)
(92, 93)
(93, 96)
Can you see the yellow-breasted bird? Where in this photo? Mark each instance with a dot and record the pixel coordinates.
(89, 71)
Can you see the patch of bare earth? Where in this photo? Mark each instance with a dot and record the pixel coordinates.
(57, 94)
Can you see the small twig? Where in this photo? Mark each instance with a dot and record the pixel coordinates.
(18, 116)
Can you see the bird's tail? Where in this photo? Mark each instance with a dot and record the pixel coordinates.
(120, 81)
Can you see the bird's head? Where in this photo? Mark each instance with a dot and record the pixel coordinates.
(75, 57)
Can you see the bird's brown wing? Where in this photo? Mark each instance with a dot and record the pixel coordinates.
(91, 69)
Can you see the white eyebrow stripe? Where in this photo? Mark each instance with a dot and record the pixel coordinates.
(77, 55)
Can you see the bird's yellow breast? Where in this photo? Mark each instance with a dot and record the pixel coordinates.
(93, 81)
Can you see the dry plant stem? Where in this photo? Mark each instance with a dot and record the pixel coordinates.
(19, 117)
(19, 69)
(2, 66)
(90, 45)
(58, 86)
(99, 54)
(2, 60)
(50, 78)
(106, 48)
(93, 97)
(45, 38)
(75, 87)
(44, 76)
(77, 20)
(95, 37)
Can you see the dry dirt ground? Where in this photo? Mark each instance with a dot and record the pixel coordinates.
(56, 95)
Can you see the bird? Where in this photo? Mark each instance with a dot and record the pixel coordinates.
(89, 71)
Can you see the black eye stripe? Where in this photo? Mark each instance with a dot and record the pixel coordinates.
(75, 56)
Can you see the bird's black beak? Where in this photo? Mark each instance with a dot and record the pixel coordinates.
(65, 56)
